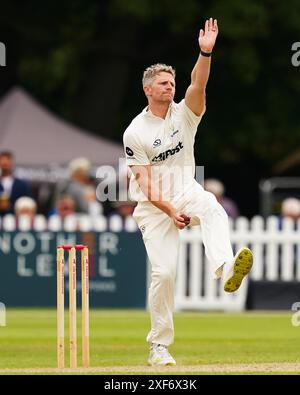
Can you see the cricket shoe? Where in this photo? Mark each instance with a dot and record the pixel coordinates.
(239, 268)
(160, 356)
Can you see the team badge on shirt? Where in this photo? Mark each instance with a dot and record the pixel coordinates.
(129, 151)
(156, 143)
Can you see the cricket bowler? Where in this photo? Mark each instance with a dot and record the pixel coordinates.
(159, 148)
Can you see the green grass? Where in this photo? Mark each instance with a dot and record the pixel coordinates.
(118, 338)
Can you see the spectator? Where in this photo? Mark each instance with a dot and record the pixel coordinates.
(217, 188)
(290, 208)
(65, 206)
(11, 188)
(80, 188)
(25, 211)
(65, 209)
(25, 206)
(124, 209)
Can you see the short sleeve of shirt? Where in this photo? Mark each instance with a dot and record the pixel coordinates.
(134, 150)
(192, 119)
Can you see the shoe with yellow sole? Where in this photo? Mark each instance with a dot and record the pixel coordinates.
(240, 267)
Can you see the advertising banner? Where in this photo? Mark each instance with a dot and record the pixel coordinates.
(28, 268)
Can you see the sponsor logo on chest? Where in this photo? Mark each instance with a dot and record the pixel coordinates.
(170, 152)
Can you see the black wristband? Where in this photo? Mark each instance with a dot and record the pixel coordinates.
(207, 54)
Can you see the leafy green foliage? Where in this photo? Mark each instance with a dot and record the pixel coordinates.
(73, 54)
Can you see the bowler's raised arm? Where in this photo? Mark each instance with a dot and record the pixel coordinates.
(195, 94)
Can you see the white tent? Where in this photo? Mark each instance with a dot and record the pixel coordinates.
(40, 140)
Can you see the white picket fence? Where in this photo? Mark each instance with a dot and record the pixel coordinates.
(276, 255)
(82, 223)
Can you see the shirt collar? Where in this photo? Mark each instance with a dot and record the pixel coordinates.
(146, 112)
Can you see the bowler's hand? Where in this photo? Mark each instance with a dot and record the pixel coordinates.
(208, 36)
(180, 220)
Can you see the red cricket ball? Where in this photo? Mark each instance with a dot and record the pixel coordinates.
(186, 219)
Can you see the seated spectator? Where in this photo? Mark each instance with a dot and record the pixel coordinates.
(217, 188)
(64, 206)
(25, 207)
(11, 188)
(290, 208)
(124, 209)
(80, 188)
(65, 209)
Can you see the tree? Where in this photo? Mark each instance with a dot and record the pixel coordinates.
(85, 61)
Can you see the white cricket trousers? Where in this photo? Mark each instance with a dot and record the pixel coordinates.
(161, 239)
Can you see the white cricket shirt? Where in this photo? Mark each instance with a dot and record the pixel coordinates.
(166, 144)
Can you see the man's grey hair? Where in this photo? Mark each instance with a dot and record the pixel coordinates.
(151, 72)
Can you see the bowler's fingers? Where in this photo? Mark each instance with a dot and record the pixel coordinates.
(210, 25)
(186, 218)
(206, 27)
(179, 224)
(215, 27)
(182, 221)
